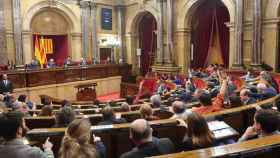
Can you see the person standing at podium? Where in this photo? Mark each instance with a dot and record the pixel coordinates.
(6, 86)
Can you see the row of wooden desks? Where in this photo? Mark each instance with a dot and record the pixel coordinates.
(42, 77)
(116, 137)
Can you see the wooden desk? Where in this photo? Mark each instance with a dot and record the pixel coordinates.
(42, 77)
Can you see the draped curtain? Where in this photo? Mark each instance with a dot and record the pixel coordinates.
(208, 31)
(147, 42)
(60, 47)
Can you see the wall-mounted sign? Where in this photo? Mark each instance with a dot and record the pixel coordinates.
(106, 18)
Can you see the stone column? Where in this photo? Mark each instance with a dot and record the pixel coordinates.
(238, 57)
(95, 50)
(257, 32)
(17, 31)
(168, 58)
(160, 48)
(121, 26)
(85, 9)
(3, 46)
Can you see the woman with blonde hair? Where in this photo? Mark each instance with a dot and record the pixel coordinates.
(146, 112)
(77, 142)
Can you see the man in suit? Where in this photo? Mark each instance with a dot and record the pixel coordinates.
(6, 86)
(12, 129)
(146, 144)
(109, 117)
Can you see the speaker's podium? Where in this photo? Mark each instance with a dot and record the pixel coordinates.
(86, 92)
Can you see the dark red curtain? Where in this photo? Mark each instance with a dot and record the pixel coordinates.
(147, 42)
(202, 23)
(60, 46)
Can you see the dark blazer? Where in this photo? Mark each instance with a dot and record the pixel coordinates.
(4, 88)
(156, 147)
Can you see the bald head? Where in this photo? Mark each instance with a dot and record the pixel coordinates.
(140, 131)
(244, 92)
(178, 107)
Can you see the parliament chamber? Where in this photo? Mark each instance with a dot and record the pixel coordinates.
(139, 78)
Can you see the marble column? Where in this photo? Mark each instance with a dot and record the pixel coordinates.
(3, 46)
(17, 31)
(168, 58)
(85, 9)
(238, 57)
(121, 26)
(160, 48)
(257, 32)
(95, 50)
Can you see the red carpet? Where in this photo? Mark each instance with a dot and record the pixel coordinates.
(108, 97)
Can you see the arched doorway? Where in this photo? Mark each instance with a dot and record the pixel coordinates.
(50, 25)
(209, 34)
(147, 27)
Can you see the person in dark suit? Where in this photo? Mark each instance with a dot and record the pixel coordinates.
(6, 86)
(110, 118)
(146, 144)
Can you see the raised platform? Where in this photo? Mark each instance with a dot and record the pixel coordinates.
(61, 82)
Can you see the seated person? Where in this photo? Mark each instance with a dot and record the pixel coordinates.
(64, 117)
(51, 63)
(198, 133)
(68, 61)
(162, 89)
(234, 101)
(129, 100)
(246, 98)
(190, 87)
(83, 62)
(146, 112)
(177, 80)
(266, 123)
(22, 98)
(248, 77)
(77, 142)
(125, 107)
(155, 101)
(207, 105)
(66, 103)
(264, 92)
(46, 111)
(13, 129)
(34, 64)
(146, 144)
(109, 117)
(179, 110)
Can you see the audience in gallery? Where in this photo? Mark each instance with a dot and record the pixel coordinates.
(146, 112)
(13, 130)
(80, 142)
(109, 117)
(146, 145)
(266, 123)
